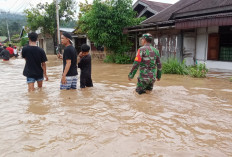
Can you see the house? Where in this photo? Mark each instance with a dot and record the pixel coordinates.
(45, 41)
(80, 38)
(3, 39)
(197, 31)
(146, 8)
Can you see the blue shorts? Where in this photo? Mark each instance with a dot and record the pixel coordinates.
(32, 80)
(71, 83)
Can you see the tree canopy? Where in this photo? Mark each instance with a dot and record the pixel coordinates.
(84, 8)
(15, 23)
(44, 16)
(105, 21)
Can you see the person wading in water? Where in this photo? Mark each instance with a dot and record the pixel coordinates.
(148, 60)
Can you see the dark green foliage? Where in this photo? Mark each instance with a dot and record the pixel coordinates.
(68, 24)
(231, 79)
(44, 16)
(84, 8)
(198, 71)
(122, 59)
(118, 58)
(15, 23)
(109, 58)
(24, 40)
(105, 21)
(172, 66)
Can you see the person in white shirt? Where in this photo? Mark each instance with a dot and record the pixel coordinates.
(15, 52)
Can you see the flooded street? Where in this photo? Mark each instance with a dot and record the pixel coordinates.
(182, 116)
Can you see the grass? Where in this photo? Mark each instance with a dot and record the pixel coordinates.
(172, 66)
(198, 71)
(118, 59)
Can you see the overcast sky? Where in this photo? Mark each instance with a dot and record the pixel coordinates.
(17, 6)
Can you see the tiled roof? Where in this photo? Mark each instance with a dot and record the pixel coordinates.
(157, 6)
(184, 6)
(206, 4)
(2, 38)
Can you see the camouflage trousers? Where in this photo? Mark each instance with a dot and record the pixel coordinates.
(143, 86)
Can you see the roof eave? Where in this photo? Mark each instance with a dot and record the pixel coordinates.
(201, 12)
(150, 26)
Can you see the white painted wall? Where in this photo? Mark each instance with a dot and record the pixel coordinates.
(217, 65)
(201, 44)
(189, 48)
(88, 42)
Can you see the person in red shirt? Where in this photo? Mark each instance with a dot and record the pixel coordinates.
(11, 50)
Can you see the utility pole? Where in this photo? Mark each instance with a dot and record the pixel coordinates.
(58, 23)
(8, 30)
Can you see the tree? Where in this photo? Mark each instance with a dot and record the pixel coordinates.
(15, 23)
(24, 39)
(105, 22)
(14, 28)
(84, 8)
(44, 16)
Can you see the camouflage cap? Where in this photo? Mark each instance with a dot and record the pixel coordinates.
(147, 36)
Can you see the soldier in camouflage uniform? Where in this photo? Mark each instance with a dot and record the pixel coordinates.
(148, 59)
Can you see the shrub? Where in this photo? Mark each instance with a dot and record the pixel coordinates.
(198, 71)
(172, 66)
(231, 79)
(109, 58)
(117, 58)
(122, 59)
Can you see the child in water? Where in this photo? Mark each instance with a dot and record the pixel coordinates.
(85, 66)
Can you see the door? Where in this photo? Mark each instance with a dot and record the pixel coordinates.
(213, 47)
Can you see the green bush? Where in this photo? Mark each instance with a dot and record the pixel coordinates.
(231, 79)
(122, 59)
(198, 71)
(109, 58)
(24, 41)
(172, 66)
(117, 58)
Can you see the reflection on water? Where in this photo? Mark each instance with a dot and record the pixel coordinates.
(182, 116)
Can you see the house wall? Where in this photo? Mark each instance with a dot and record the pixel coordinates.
(217, 64)
(201, 45)
(189, 47)
(202, 49)
(48, 45)
(166, 41)
(202, 42)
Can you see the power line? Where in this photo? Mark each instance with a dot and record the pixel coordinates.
(14, 5)
(23, 5)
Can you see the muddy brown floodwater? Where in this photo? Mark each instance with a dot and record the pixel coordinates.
(182, 116)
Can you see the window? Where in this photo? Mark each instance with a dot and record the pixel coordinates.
(225, 53)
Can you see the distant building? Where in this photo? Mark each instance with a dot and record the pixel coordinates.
(146, 8)
(3, 39)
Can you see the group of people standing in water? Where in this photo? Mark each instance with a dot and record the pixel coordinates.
(147, 60)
